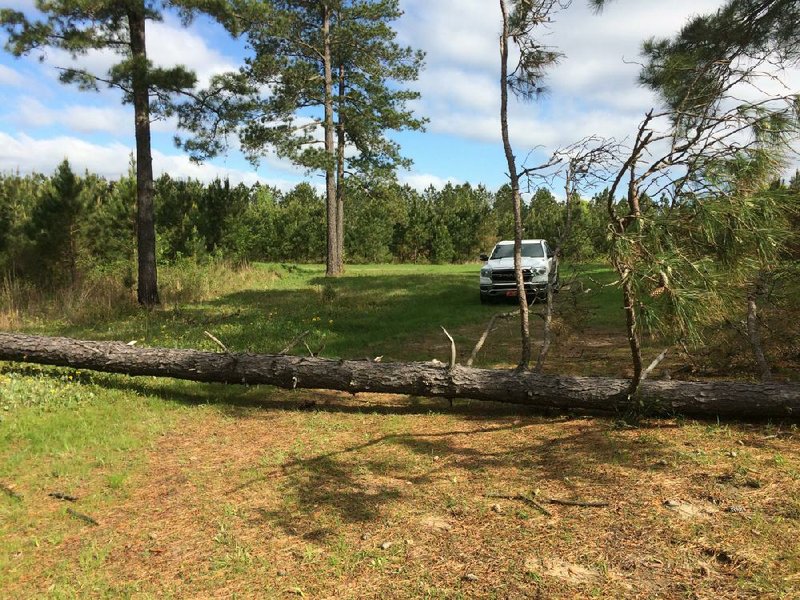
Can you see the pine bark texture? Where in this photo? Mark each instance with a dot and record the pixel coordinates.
(147, 291)
(754, 329)
(340, 148)
(583, 394)
(333, 261)
(525, 332)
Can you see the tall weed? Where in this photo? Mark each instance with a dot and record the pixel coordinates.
(106, 294)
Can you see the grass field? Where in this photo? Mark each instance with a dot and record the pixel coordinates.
(212, 491)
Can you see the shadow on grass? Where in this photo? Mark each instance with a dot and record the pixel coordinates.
(352, 316)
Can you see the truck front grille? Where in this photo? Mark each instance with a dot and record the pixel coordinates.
(507, 276)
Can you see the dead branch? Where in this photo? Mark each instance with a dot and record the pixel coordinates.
(522, 498)
(82, 517)
(311, 352)
(656, 361)
(7, 489)
(296, 340)
(485, 335)
(216, 341)
(452, 348)
(63, 496)
(576, 503)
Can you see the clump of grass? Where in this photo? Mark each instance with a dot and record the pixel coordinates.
(105, 295)
(328, 293)
(10, 300)
(94, 296)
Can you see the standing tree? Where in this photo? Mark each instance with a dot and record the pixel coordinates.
(81, 26)
(54, 224)
(583, 165)
(707, 152)
(322, 89)
(520, 20)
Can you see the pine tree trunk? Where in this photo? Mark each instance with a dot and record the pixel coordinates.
(547, 330)
(754, 329)
(525, 358)
(582, 394)
(632, 328)
(145, 213)
(333, 260)
(340, 148)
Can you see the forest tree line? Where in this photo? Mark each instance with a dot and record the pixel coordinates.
(56, 227)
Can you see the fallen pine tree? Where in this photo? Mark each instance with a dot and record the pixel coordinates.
(723, 398)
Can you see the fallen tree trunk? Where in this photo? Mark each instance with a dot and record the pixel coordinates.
(723, 398)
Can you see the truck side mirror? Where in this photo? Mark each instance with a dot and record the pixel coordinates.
(484, 257)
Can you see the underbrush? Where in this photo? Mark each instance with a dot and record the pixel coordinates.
(106, 294)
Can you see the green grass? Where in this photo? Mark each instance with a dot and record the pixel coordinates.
(373, 309)
(370, 305)
(230, 490)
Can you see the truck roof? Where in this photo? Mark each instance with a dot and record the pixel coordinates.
(506, 242)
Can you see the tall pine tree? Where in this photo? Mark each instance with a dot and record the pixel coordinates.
(322, 88)
(81, 26)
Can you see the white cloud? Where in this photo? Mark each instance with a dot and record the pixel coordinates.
(453, 32)
(79, 118)
(10, 77)
(168, 44)
(422, 181)
(43, 155)
(593, 90)
(31, 155)
(444, 87)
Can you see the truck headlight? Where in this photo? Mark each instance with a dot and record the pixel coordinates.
(486, 272)
(539, 271)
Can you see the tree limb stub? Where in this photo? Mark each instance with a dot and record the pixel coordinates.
(594, 394)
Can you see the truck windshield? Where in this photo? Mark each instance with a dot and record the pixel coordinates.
(534, 250)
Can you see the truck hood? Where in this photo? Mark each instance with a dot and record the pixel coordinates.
(508, 263)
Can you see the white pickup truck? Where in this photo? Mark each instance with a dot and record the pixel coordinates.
(497, 275)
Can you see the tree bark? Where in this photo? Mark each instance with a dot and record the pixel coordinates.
(547, 330)
(340, 148)
(147, 293)
(592, 394)
(333, 260)
(754, 329)
(513, 175)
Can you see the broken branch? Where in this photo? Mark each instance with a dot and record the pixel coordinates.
(82, 517)
(654, 364)
(452, 348)
(296, 340)
(576, 503)
(523, 498)
(216, 341)
(10, 491)
(486, 332)
(63, 496)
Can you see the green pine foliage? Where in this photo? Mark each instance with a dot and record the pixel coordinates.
(56, 228)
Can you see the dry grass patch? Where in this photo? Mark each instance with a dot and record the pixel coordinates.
(386, 497)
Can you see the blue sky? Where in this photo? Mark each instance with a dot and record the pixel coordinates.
(592, 91)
